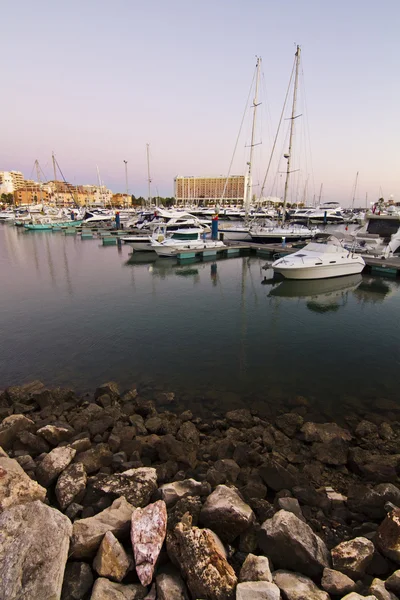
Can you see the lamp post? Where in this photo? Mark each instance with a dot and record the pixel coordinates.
(126, 180)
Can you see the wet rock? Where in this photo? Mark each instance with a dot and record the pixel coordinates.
(171, 587)
(172, 492)
(378, 589)
(374, 467)
(104, 589)
(95, 458)
(136, 485)
(54, 435)
(324, 432)
(78, 580)
(34, 544)
(337, 583)
(298, 587)
(387, 537)
(35, 444)
(289, 423)
(88, 533)
(292, 544)
(392, 583)
(53, 464)
(257, 590)
(226, 513)
(255, 568)
(71, 485)
(171, 449)
(353, 557)
(15, 485)
(110, 388)
(111, 560)
(203, 563)
(240, 418)
(278, 477)
(11, 426)
(148, 529)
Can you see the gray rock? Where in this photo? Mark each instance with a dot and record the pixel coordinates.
(229, 468)
(78, 580)
(53, 464)
(54, 435)
(71, 485)
(169, 448)
(95, 458)
(353, 557)
(290, 505)
(355, 596)
(378, 589)
(35, 444)
(257, 590)
(88, 533)
(292, 544)
(34, 541)
(111, 560)
(188, 434)
(16, 487)
(148, 529)
(392, 583)
(371, 502)
(324, 432)
(11, 426)
(226, 513)
(104, 589)
(298, 587)
(374, 467)
(387, 536)
(255, 568)
(337, 583)
(277, 476)
(172, 492)
(136, 485)
(171, 587)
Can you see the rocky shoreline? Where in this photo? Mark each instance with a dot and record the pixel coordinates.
(104, 497)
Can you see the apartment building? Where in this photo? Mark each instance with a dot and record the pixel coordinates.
(210, 189)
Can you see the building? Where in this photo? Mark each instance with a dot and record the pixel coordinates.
(31, 193)
(121, 201)
(10, 181)
(210, 190)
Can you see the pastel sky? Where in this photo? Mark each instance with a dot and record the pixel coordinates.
(96, 80)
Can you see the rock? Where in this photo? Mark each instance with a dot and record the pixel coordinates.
(355, 596)
(88, 533)
(298, 587)
(337, 583)
(324, 432)
(277, 476)
(366, 428)
(35, 444)
(136, 485)
(188, 504)
(392, 583)
(110, 388)
(239, 418)
(111, 560)
(172, 492)
(226, 513)
(332, 453)
(152, 594)
(171, 587)
(53, 464)
(353, 557)
(78, 580)
(54, 435)
(387, 537)
(229, 468)
(202, 561)
(374, 467)
(104, 589)
(292, 544)
(171, 449)
(290, 505)
(378, 589)
(81, 445)
(257, 590)
(34, 543)
(71, 485)
(289, 423)
(371, 502)
(255, 568)
(148, 529)
(16, 487)
(95, 458)
(188, 434)
(11, 426)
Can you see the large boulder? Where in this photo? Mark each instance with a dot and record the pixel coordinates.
(148, 529)
(291, 544)
(16, 487)
(136, 485)
(11, 426)
(202, 561)
(337, 583)
(78, 580)
(88, 533)
(226, 513)
(71, 485)
(53, 464)
(298, 587)
(257, 590)
(387, 536)
(104, 589)
(34, 541)
(353, 557)
(174, 491)
(111, 560)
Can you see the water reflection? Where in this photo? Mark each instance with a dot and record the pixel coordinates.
(376, 289)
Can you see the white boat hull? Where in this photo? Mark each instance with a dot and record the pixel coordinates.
(320, 272)
(235, 235)
(170, 250)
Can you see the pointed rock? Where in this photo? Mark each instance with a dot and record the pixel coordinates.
(111, 560)
(88, 533)
(387, 536)
(71, 485)
(53, 464)
(148, 529)
(104, 589)
(34, 541)
(298, 587)
(255, 568)
(226, 513)
(16, 487)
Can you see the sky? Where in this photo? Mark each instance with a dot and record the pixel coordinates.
(95, 81)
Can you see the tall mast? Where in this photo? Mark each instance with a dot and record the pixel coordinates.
(253, 131)
(289, 155)
(320, 194)
(100, 187)
(38, 178)
(148, 174)
(354, 193)
(55, 176)
(126, 180)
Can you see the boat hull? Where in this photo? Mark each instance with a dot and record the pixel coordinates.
(320, 272)
(277, 238)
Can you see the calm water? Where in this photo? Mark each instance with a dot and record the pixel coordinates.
(77, 314)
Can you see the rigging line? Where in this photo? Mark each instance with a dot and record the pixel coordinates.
(238, 136)
(62, 174)
(308, 128)
(277, 131)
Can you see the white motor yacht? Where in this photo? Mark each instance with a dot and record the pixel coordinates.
(144, 243)
(380, 236)
(171, 247)
(271, 232)
(319, 260)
